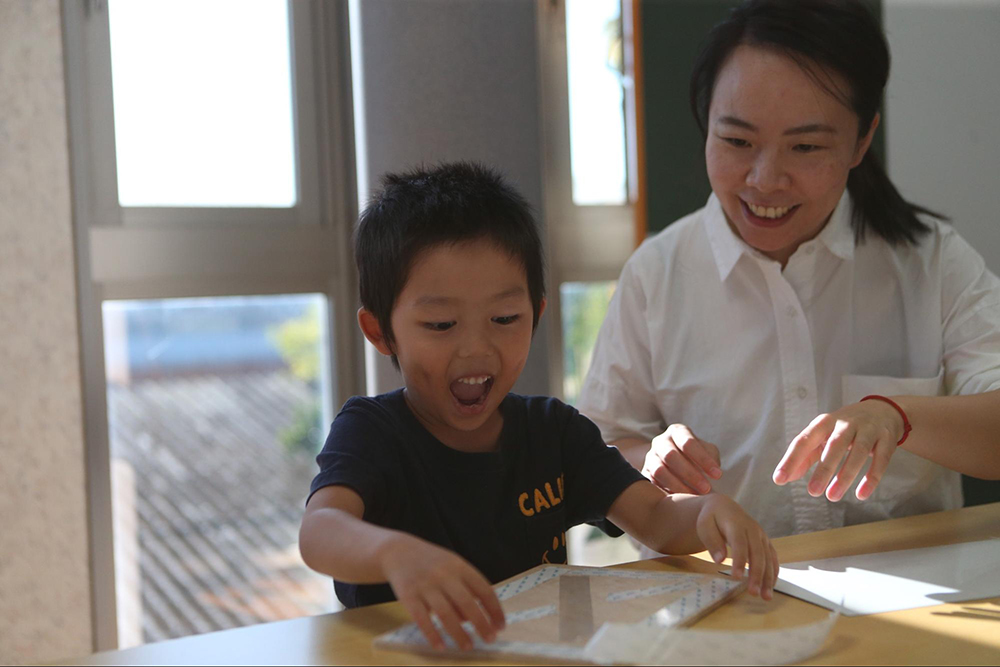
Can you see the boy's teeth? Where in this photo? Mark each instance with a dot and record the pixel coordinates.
(474, 380)
(768, 211)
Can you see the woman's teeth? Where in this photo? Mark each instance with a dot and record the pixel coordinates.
(474, 380)
(768, 211)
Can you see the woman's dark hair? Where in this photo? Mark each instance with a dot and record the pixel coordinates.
(445, 205)
(840, 36)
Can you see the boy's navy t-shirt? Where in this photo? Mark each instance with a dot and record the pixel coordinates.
(504, 511)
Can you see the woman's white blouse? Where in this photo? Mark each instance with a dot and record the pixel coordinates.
(705, 331)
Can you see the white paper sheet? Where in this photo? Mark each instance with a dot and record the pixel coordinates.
(645, 645)
(894, 580)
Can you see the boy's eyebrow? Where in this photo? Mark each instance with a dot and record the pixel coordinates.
(432, 300)
(801, 129)
(508, 293)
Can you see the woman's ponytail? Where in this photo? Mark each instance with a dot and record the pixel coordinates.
(879, 207)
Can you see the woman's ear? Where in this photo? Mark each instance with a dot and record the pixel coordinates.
(373, 331)
(541, 308)
(866, 141)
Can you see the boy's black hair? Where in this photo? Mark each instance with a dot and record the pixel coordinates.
(844, 36)
(447, 204)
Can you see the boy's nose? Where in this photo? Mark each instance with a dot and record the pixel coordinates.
(475, 344)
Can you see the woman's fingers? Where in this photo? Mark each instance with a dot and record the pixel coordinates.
(884, 449)
(662, 477)
(804, 450)
(704, 454)
(861, 449)
(833, 453)
(689, 461)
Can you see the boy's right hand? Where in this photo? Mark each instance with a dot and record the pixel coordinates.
(429, 579)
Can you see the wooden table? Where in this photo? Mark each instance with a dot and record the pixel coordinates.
(943, 634)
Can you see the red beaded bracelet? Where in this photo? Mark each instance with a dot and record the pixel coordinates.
(906, 422)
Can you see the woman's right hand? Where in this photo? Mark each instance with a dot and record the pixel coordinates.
(428, 579)
(679, 462)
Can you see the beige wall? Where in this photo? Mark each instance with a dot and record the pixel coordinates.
(44, 573)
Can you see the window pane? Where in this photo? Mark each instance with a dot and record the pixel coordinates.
(214, 412)
(583, 307)
(596, 101)
(203, 102)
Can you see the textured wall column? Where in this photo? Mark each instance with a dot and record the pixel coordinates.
(449, 80)
(44, 571)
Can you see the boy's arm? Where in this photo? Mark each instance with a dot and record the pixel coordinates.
(334, 540)
(683, 524)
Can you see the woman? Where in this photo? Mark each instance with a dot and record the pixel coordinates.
(807, 314)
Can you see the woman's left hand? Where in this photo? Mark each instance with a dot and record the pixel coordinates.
(857, 432)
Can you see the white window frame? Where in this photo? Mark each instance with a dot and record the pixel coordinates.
(584, 243)
(152, 253)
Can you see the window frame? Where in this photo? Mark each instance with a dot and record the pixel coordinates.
(154, 253)
(585, 243)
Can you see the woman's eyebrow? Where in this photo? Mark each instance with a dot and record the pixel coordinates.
(801, 129)
(811, 128)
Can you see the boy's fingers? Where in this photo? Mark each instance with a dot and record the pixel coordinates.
(483, 592)
(714, 541)
(738, 547)
(449, 619)
(470, 610)
(777, 565)
(767, 582)
(757, 565)
(423, 620)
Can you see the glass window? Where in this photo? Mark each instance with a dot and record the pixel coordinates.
(594, 55)
(583, 308)
(215, 416)
(203, 103)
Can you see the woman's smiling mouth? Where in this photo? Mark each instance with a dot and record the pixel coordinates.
(767, 216)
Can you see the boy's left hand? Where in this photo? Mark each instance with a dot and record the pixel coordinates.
(721, 523)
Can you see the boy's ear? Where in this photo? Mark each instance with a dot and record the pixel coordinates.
(541, 308)
(373, 331)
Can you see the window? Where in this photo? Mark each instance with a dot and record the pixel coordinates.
(215, 418)
(212, 160)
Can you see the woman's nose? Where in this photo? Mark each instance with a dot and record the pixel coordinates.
(767, 173)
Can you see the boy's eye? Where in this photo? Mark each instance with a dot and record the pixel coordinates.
(506, 319)
(737, 142)
(807, 148)
(439, 326)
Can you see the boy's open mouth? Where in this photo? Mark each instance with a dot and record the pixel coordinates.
(472, 390)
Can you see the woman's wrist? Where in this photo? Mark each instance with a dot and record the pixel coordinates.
(895, 407)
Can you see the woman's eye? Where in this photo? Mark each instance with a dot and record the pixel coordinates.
(807, 148)
(734, 141)
(506, 319)
(439, 326)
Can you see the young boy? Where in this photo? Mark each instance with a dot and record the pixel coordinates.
(433, 492)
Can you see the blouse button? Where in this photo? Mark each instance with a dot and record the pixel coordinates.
(803, 392)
